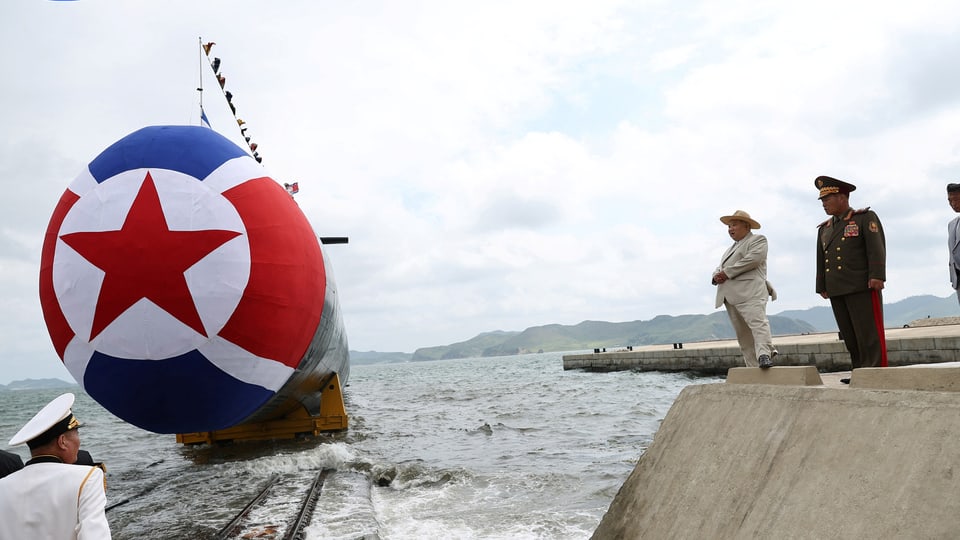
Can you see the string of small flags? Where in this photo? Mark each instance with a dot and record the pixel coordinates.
(222, 80)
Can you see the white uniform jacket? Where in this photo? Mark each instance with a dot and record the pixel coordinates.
(745, 265)
(53, 501)
(953, 243)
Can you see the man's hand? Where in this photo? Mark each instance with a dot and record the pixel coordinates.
(875, 284)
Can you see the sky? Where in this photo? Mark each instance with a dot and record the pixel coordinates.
(502, 165)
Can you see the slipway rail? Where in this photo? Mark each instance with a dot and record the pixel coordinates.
(240, 526)
(295, 532)
(233, 527)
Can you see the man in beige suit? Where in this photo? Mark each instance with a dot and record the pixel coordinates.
(742, 288)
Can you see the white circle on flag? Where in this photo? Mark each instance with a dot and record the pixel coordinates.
(216, 282)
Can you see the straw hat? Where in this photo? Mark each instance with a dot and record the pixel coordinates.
(742, 216)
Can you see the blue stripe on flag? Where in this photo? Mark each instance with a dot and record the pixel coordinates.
(192, 150)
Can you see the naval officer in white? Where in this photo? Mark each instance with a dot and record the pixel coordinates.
(953, 237)
(742, 287)
(50, 497)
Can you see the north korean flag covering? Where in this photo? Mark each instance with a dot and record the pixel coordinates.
(180, 285)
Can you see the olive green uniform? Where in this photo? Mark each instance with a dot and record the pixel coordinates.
(850, 252)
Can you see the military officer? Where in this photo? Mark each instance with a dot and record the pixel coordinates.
(851, 271)
(50, 497)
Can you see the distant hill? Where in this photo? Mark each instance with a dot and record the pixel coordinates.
(35, 384)
(895, 315)
(373, 357)
(820, 317)
(595, 334)
(487, 341)
(669, 329)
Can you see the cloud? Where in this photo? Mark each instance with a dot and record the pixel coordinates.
(504, 165)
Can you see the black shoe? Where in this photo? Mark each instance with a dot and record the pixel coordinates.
(765, 361)
(845, 381)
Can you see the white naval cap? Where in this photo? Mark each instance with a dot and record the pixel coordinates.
(52, 420)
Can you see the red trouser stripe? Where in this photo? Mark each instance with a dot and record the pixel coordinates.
(878, 320)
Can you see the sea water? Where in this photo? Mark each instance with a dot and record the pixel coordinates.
(494, 448)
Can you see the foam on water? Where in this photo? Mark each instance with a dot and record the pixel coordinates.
(508, 447)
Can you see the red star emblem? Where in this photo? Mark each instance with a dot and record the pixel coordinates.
(145, 259)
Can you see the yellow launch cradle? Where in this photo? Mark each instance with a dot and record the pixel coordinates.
(332, 417)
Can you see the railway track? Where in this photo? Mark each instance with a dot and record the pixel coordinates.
(248, 524)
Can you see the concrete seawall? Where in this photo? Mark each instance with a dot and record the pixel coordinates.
(825, 351)
(808, 460)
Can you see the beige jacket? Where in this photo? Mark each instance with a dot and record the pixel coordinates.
(745, 265)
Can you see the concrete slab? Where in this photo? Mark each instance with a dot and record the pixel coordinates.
(783, 375)
(943, 377)
(734, 461)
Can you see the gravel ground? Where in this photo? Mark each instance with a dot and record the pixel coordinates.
(936, 321)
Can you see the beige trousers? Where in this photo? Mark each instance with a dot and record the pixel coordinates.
(749, 320)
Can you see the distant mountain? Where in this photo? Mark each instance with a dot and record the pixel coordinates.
(373, 357)
(35, 384)
(669, 329)
(895, 315)
(471, 348)
(596, 334)
(920, 307)
(820, 317)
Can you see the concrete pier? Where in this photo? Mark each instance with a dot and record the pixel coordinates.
(779, 453)
(905, 346)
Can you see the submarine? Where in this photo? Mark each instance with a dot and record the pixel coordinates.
(187, 293)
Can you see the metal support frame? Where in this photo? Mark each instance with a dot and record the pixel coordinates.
(332, 417)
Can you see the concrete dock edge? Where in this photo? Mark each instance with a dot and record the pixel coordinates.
(825, 351)
(779, 461)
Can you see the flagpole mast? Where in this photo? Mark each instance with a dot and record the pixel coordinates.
(200, 87)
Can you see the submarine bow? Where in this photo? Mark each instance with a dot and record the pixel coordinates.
(185, 290)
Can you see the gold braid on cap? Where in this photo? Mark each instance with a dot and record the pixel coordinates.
(829, 190)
